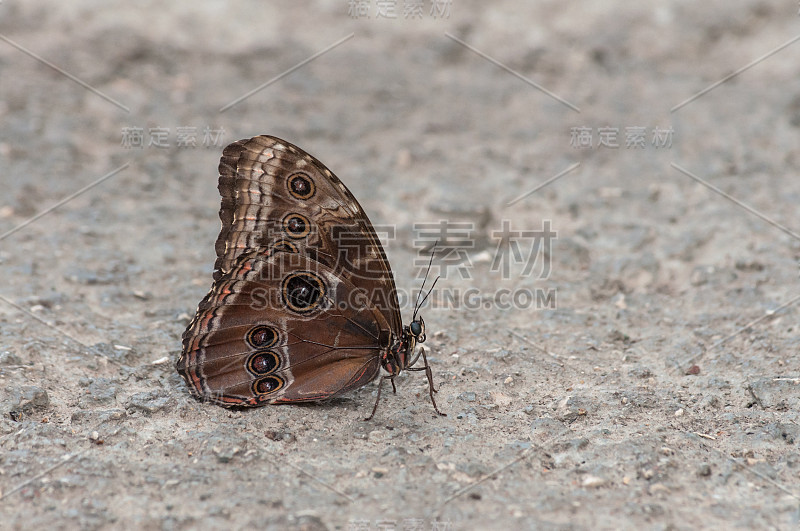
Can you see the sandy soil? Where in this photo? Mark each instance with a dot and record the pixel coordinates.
(661, 391)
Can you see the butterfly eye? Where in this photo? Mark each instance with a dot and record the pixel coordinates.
(301, 186)
(296, 226)
(263, 362)
(302, 291)
(416, 328)
(267, 385)
(261, 336)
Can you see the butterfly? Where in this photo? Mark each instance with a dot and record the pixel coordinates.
(303, 306)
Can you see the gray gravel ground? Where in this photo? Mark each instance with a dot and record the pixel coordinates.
(661, 392)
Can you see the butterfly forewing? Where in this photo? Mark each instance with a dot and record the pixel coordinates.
(276, 195)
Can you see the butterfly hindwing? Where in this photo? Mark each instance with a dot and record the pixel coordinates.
(281, 327)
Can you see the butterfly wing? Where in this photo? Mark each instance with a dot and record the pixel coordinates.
(281, 327)
(277, 196)
(289, 222)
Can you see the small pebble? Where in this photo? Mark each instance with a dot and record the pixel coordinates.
(658, 488)
(593, 481)
(704, 470)
(149, 401)
(467, 396)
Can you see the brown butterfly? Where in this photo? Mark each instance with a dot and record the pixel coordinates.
(303, 306)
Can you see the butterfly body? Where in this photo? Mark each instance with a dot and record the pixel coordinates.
(303, 306)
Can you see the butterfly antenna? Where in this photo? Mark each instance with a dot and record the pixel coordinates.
(428, 294)
(421, 288)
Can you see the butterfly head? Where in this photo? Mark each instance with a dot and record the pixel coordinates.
(417, 330)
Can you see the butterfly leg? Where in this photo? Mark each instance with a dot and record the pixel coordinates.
(378, 399)
(429, 374)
